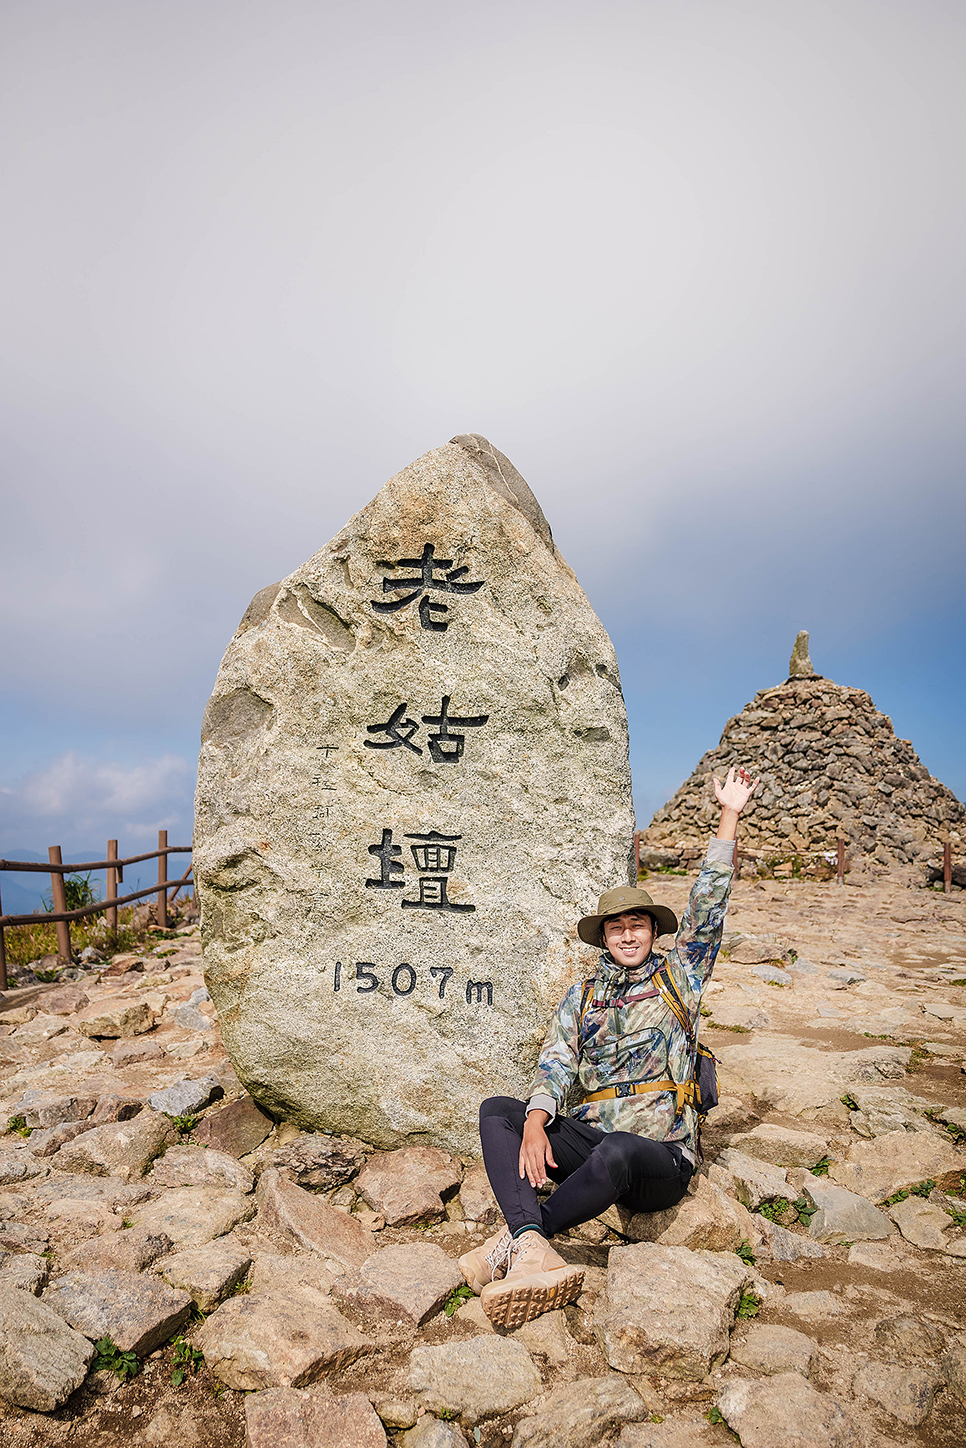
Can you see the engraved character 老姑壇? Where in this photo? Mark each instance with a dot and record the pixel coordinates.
(414, 586)
(434, 857)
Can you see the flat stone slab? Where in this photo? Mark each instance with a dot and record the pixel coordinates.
(208, 1274)
(842, 1216)
(768, 1348)
(318, 1161)
(782, 1245)
(926, 1225)
(192, 1215)
(135, 1053)
(47, 1108)
(278, 1340)
(476, 1196)
(668, 1310)
(115, 1016)
(237, 1128)
(906, 1393)
(418, 1278)
(798, 1079)
(122, 1149)
(291, 1418)
(194, 1166)
(19, 1166)
(185, 1097)
(138, 1312)
(785, 1411)
(310, 1222)
(581, 1413)
(782, 1146)
(897, 1160)
(478, 1378)
(27, 1271)
(130, 1250)
(271, 1272)
(42, 1359)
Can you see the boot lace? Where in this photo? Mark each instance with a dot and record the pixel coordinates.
(501, 1255)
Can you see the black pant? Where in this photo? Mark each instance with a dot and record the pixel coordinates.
(597, 1168)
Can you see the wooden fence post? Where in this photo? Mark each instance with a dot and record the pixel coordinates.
(947, 867)
(840, 861)
(59, 897)
(161, 913)
(112, 886)
(3, 955)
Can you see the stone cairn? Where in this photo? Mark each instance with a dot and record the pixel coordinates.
(831, 768)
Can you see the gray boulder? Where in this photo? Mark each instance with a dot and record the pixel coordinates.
(42, 1359)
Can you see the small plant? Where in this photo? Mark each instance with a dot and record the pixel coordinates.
(657, 1417)
(185, 1361)
(714, 1415)
(804, 1210)
(773, 1211)
(242, 1287)
(745, 1252)
(447, 1414)
(108, 1358)
(921, 1189)
(705, 1011)
(738, 1030)
(821, 1168)
(457, 1297)
(183, 1124)
(957, 1214)
(171, 950)
(17, 1126)
(749, 1306)
(126, 1223)
(850, 1102)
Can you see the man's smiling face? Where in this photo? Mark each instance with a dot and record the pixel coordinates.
(629, 937)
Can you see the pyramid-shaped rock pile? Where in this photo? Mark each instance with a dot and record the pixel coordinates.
(831, 768)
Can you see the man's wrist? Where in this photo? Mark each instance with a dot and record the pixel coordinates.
(536, 1117)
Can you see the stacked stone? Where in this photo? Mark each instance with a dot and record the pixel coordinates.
(831, 768)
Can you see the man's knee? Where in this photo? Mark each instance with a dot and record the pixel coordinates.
(506, 1106)
(620, 1152)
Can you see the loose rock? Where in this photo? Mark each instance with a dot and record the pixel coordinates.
(781, 1145)
(42, 1359)
(418, 1278)
(120, 1149)
(138, 1313)
(478, 1378)
(272, 1339)
(192, 1215)
(579, 1414)
(237, 1128)
(193, 1166)
(185, 1097)
(899, 1159)
(115, 1016)
(906, 1393)
(842, 1216)
(755, 1181)
(290, 1418)
(126, 1251)
(768, 1348)
(310, 1222)
(208, 1274)
(667, 1310)
(784, 1411)
(406, 1186)
(924, 1225)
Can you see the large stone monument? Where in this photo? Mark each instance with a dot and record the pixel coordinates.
(413, 780)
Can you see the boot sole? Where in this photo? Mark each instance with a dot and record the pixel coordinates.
(513, 1303)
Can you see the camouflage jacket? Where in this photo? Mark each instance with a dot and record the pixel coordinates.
(627, 1032)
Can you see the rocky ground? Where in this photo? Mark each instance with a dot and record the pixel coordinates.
(276, 1287)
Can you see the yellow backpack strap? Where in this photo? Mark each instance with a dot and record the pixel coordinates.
(586, 996)
(671, 998)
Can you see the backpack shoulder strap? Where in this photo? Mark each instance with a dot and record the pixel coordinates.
(672, 999)
(586, 996)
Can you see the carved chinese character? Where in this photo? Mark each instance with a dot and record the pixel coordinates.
(445, 747)
(428, 565)
(386, 853)
(434, 852)
(398, 729)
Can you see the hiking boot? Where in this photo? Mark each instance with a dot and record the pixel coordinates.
(487, 1263)
(537, 1280)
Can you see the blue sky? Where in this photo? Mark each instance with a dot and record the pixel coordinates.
(697, 268)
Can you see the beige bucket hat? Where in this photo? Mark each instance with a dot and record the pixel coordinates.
(618, 902)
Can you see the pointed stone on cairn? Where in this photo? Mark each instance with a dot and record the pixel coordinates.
(800, 665)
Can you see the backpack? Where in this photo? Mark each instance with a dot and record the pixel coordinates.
(704, 1075)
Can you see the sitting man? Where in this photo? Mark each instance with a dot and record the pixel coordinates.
(632, 1137)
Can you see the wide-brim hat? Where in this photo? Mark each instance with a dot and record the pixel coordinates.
(619, 902)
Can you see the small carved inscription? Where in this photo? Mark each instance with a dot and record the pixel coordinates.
(419, 584)
(404, 979)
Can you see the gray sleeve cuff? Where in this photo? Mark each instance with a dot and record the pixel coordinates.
(721, 852)
(542, 1103)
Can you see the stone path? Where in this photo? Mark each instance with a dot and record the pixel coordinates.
(284, 1288)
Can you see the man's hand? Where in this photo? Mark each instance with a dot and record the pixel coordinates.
(536, 1153)
(733, 795)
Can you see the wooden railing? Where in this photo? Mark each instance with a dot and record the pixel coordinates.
(61, 916)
